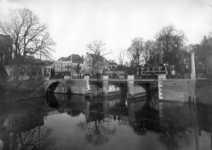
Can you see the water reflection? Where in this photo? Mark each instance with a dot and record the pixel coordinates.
(22, 127)
(97, 130)
(70, 121)
(175, 137)
(37, 138)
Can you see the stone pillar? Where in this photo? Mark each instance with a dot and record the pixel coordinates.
(162, 77)
(130, 84)
(88, 88)
(193, 72)
(105, 86)
(86, 77)
(68, 77)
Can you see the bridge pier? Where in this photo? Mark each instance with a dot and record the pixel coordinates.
(105, 86)
(130, 85)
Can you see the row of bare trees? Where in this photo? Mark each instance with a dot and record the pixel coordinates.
(31, 38)
(168, 47)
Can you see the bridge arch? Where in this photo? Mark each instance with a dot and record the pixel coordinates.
(55, 101)
(53, 85)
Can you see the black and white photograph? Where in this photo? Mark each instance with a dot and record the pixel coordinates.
(105, 75)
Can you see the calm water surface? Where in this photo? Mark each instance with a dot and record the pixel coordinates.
(65, 122)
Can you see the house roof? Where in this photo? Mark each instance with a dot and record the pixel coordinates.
(73, 57)
(112, 63)
(98, 57)
(63, 58)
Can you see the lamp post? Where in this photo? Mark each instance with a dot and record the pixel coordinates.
(161, 54)
(206, 55)
(40, 64)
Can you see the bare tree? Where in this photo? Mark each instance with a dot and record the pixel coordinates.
(135, 50)
(149, 50)
(121, 56)
(97, 49)
(29, 36)
(170, 40)
(171, 43)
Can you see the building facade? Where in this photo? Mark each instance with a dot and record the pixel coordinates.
(6, 70)
(70, 65)
(94, 64)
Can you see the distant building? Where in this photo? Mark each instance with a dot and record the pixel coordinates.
(5, 49)
(33, 68)
(94, 63)
(75, 59)
(68, 65)
(5, 56)
(112, 65)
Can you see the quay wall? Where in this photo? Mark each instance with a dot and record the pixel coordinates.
(177, 90)
(204, 91)
(76, 86)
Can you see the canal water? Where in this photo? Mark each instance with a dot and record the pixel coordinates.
(64, 122)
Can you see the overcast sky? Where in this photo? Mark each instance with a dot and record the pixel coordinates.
(75, 23)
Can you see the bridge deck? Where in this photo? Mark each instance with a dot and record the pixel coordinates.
(125, 80)
(141, 80)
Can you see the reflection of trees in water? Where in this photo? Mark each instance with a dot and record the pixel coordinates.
(152, 99)
(22, 131)
(175, 137)
(147, 120)
(172, 137)
(204, 116)
(119, 109)
(98, 131)
(34, 139)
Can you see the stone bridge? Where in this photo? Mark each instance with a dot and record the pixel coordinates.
(82, 86)
(67, 86)
(168, 89)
